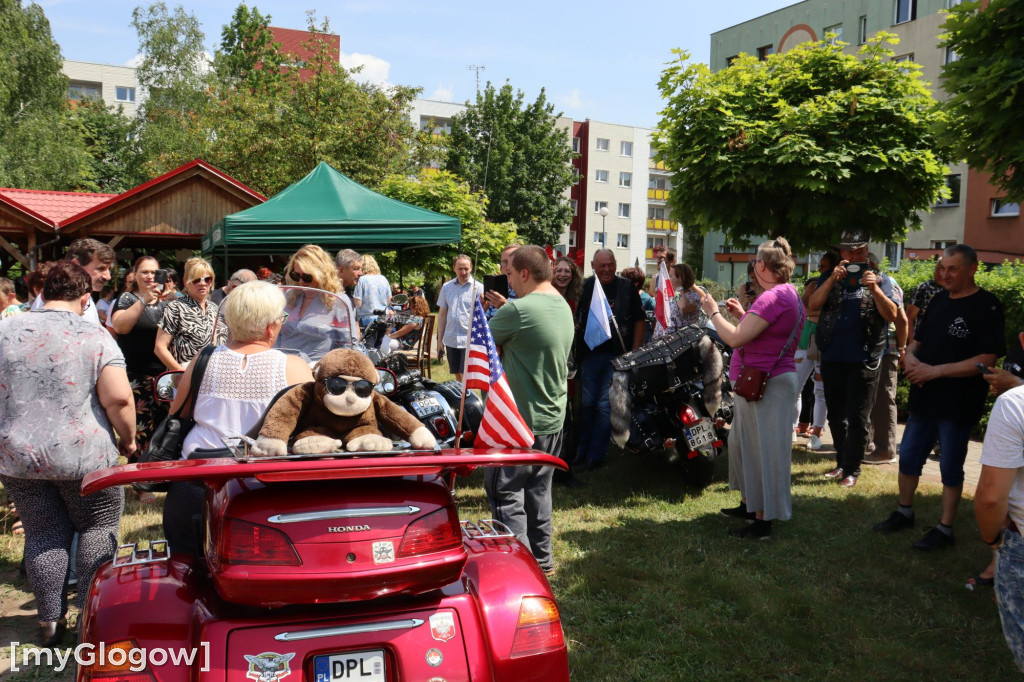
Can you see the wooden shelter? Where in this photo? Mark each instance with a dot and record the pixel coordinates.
(172, 211)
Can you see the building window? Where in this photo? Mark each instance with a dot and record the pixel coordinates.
(838, 30)
(764, 51)
(951, 55)
(80, 91)
(124, 94)
(598, 205)
(575, 206)
(575, 175)
(599, 238)
(1001, 208)
(623, 210)
(943, 244)
(653, 242)
(862, 30)
(572, 237)
(730, 60)
(953, 183)
(655, 212)
(601, 176)
(625, 179)
(576, 144)
(904, 58)
(906, 10)
(601, 144)
(658, 182)
(622, 241)
(626, 148)
(893, 252)
(950, 4)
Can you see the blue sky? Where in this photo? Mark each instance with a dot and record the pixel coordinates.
(598, 59)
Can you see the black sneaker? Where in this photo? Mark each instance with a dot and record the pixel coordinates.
(896, 521)
(934, 539)
(762, 530)
(738, 512)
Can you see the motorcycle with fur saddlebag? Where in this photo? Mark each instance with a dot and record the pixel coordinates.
(671, 396)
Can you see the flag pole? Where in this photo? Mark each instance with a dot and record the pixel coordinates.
(465, 364)
(618, 333)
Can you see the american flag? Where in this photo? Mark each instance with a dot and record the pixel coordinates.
(502, 425)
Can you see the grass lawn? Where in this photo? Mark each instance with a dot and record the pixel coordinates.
(651, 587)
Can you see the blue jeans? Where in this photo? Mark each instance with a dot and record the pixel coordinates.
(919, 438)
(596, 379)
(1010, 592)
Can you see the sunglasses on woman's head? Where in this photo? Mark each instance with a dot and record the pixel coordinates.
(305, 277)
(338, 385)
(203, 280)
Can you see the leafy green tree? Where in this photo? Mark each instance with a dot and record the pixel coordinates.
(986, 107)
(39, 148)
(803, 144)
(515, 153)
(445, 193)
(174, 73)
(248, 55)
(110, 138)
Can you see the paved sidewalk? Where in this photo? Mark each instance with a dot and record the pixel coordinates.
(972, 467)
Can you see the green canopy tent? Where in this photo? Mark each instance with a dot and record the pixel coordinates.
(330, 210)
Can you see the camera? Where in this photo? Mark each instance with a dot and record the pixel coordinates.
(160, 277)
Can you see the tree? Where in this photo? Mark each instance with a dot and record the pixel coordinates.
(445, 193)
(803, 144)
(39, 148)
(115, 162)
(516, 154)
(174, 74)
(986, 107)
(248, 55)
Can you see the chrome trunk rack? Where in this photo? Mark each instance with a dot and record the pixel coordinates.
(486, 529)
(131, 555)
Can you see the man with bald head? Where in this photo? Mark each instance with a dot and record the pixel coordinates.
(240, 277)
(596, 364)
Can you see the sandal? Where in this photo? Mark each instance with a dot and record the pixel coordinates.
(17, 528)
(976, 581)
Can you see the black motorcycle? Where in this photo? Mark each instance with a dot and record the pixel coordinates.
(671, 396)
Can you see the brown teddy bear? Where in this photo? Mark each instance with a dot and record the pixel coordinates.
(339, 408)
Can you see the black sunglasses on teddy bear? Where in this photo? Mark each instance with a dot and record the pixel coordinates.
(337, 386)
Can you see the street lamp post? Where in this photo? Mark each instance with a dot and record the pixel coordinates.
(604, 237)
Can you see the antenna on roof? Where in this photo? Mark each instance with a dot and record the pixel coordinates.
(477, 69)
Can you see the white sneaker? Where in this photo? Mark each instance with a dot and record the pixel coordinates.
(814, 443)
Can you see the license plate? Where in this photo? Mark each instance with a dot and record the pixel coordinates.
(700, 434)
(355, 666)
(425, 407)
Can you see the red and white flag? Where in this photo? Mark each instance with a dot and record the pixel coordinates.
(663, 295)
(501, 425)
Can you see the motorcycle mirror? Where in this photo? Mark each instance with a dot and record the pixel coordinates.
(387, 382)
(399, 299)
(165, 388)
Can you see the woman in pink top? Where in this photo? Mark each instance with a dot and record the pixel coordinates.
(760, 444)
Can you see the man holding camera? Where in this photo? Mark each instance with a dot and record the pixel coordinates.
(963, 329)
(856, 307)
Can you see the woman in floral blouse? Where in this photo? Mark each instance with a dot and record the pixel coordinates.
(189, 323)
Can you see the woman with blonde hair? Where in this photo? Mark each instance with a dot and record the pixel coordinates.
(372, 292)
(760, 444)
(310, 313)
(190, 322)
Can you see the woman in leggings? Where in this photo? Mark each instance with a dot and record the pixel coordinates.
(65, 393)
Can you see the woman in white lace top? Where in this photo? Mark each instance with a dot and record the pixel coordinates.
(240, 380)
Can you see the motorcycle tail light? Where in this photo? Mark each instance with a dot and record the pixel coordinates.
(435, 532)
(250, 543)
(442, 427)
(114, 662)
(688, 415)
(539, 628)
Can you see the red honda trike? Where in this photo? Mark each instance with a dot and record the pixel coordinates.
(335, 568)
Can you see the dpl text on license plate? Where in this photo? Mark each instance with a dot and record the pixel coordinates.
(357, 666)
(701, 433)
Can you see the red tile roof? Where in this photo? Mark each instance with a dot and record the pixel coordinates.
(291, 40)
(53, 206)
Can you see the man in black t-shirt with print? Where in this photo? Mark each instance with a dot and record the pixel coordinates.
(964, 327)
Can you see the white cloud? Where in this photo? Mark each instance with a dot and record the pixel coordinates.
(134, 61)
(443, 93)
(375, 70)
(572, 100)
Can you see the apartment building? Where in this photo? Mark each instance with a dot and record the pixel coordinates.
(974, 213)
(114, 85)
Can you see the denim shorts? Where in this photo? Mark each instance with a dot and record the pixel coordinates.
(1010, 592)
(919, 438)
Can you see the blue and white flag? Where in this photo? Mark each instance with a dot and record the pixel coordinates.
(598, 328)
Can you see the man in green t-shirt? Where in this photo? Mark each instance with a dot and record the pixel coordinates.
(535, 332)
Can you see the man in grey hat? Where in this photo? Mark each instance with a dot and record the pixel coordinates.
(856, 307)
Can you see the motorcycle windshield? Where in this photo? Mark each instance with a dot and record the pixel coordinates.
(318, 321)
(369, 465)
